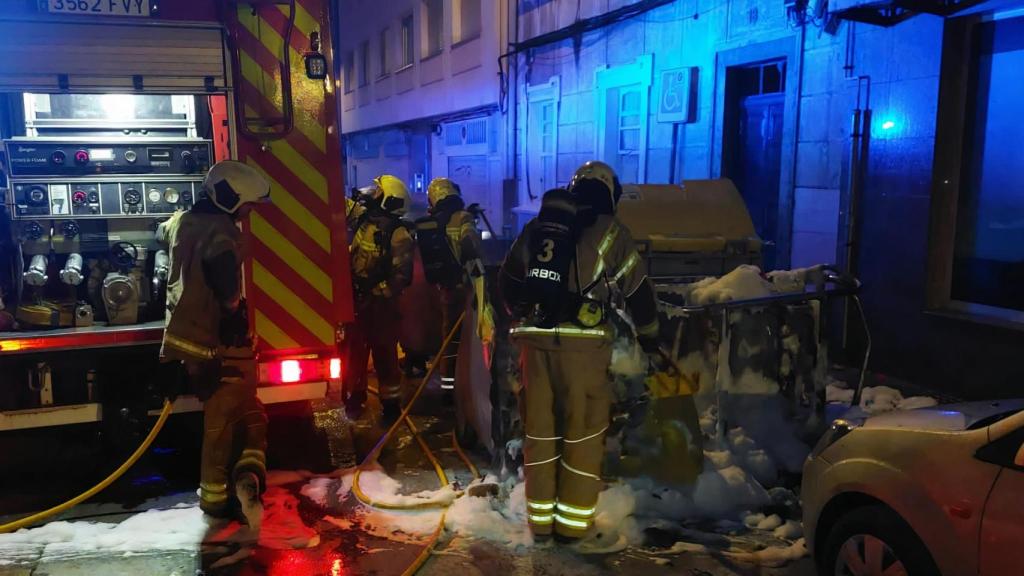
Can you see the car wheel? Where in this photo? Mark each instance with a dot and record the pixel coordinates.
(874, 541)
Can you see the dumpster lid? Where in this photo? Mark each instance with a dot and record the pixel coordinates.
(699, 215)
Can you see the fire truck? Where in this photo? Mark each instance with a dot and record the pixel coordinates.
(111, 112)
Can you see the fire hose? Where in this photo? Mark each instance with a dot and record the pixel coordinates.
(29, 520)
(370, 458)
(374, 453)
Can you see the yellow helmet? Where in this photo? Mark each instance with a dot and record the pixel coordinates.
(595, 182)
(439, 189)
(392, 194)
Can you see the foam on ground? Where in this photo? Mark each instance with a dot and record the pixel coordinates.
(501, 519)
(153, 530)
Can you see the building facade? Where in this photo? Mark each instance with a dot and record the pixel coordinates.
(421, 95)
(859, 134)
(870, 137)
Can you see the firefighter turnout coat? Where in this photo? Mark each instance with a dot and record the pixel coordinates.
(204, 295)
(382, 252)
(465, 243)
(567, 389)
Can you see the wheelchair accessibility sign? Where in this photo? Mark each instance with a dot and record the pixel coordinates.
(677, 97)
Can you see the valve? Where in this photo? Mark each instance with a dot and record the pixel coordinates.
(160, 272)
(33, 231)
(36, 273)
(71, 274)
(69, 230)
(160, 265)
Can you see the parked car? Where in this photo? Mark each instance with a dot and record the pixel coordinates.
(922, 492)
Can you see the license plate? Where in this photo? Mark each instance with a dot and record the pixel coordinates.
(99, 7)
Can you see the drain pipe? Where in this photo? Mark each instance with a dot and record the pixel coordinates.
(860, 127)
(859, 131)
(796, 145)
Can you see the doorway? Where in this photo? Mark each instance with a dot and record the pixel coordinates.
(755, 103)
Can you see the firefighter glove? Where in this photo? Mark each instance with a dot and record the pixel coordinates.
(205, 377)
(171, 380)
(234, 327)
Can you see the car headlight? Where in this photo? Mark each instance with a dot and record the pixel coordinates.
(837, 430)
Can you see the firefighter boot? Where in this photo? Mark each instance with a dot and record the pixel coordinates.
(391, 409)
(247, 490)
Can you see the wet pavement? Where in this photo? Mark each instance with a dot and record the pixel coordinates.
(304, 533)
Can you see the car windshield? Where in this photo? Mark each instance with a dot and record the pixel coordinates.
(990, 420)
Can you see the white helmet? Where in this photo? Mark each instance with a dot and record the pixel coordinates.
(595, 182)
(231, 184)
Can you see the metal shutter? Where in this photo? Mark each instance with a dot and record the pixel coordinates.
(78, 56)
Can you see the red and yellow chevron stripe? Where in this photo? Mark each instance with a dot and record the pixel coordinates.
(297, 272)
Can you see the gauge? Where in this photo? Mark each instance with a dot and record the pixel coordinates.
(82, 157)
(130, 156)
(37, 195)
(132, 196)
(171, 196)
(78, 197)
(154, 195)
(94, 197)
(58, 157)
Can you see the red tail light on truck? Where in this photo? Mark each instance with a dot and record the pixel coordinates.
(296, 370)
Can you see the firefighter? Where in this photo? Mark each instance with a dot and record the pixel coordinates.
(358, 206)
(382, 258)
(207, 336)
(560, 278)
(450, 247)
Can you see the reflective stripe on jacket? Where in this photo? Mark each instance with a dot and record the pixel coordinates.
(463, 237)
(368, 249)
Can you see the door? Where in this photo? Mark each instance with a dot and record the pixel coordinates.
(470, 172)
(760, 165)
(1002, 529)
(753, 147)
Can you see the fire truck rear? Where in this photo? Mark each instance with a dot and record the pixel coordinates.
(111, 112)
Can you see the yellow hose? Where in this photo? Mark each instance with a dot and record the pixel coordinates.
(29, 520)
(375, 451)
(465, 459)
(438, 469)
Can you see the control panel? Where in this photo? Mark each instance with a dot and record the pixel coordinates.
(110, 198)
(33, 157)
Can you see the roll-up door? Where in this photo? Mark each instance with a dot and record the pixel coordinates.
(46, 56)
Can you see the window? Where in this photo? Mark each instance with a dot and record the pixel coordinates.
(546, 137)
(364, 63)
(988, 253)
(407, 45)
(467, 25)
(433, 27)
(350, 68)
(383, 53)
(623, 127)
